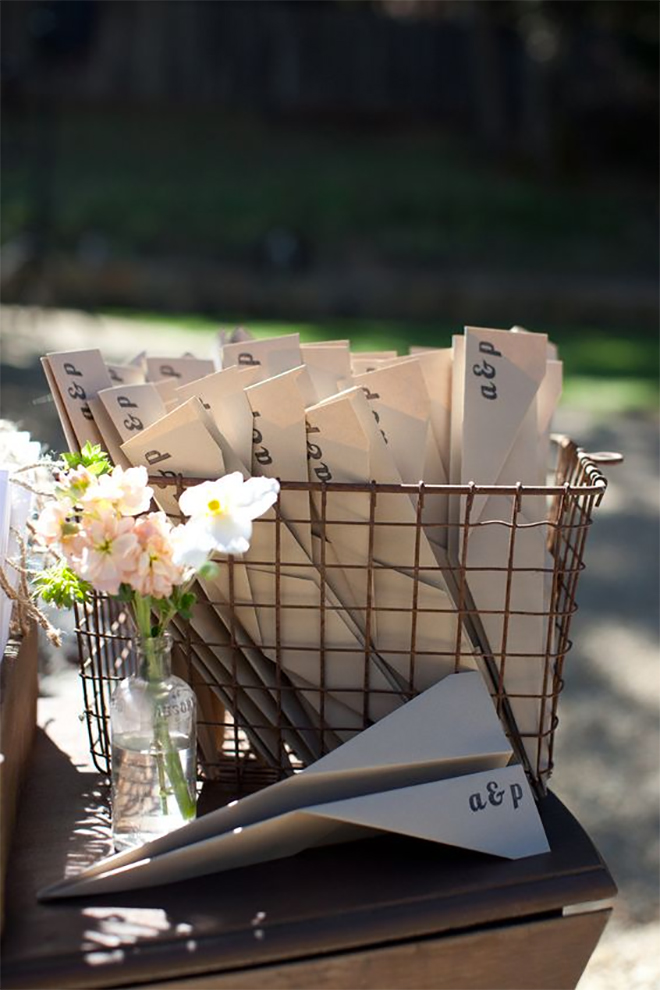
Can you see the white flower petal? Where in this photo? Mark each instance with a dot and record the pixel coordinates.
(230, 484)
(257, 495)
(223, 510)
(194, 501)
(192, 545)
(230, 534)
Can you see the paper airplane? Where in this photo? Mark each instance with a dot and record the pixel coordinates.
(436, 769)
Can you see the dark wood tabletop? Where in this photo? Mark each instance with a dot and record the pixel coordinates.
(325, 903)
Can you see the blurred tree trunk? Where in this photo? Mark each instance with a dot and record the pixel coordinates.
(488, 76)
(284, 29)
(536, 130)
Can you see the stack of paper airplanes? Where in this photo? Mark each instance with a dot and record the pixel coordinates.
(479, 411)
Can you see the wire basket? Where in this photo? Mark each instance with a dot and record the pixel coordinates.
(259, 719)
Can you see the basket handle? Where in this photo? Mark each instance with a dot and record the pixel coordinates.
(606, 457)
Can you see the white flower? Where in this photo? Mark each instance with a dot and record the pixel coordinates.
(191, 546)
(222, 511)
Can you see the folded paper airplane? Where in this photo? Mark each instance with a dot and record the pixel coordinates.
(499, 424)
(436, 769)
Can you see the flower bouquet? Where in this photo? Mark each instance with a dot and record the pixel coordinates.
(104, 538)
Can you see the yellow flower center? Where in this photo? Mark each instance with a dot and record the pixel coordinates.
(216, 507)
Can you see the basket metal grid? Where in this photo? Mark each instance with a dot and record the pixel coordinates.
(230, 733)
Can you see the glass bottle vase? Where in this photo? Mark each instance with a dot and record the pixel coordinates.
(153, 739)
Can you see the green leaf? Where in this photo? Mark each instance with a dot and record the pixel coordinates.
(208, 570)
(161, 605)
(183, 602)
(91, 456)
(125, 593)
(187, 603)
(60, 586)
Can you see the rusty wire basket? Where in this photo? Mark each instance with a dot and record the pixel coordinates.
(260, 720)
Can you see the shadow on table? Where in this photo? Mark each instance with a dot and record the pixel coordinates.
(83, 835)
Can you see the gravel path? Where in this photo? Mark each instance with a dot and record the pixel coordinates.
(608, 741)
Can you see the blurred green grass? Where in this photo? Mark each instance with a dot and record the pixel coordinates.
(604, 370)
(214, 185)
(191, 184)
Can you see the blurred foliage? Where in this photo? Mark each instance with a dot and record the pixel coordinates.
(210, 185)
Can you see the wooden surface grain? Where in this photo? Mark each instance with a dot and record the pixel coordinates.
(363, 897)
(18, 720)
(535, 955)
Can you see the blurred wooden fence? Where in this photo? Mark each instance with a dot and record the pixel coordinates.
(274, 55)
(468, 66)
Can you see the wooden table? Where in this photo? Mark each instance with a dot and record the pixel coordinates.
(380, 913)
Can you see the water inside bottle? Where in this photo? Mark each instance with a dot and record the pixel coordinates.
(144, 804)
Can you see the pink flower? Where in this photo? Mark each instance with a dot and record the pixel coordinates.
(57, 526)
(48, 526)
(154, 570)
(75, 483)
(136, 494)
(108, 557)
(126, 491)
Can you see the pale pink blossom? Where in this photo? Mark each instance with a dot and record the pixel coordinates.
(108, 557)
(48, 526)
(126, 491)
(56, 526)
(154, 571)
(222, 511)
(75, 483)
(136, 495)
(98, 524)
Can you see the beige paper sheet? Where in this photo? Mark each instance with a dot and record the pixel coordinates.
(408, 614)
(363, 361)
(132, 408)
(183, 442)
(65, 421)
(505, 394)
(401, 405)
(178, 370)
(279, 447)
(110, 439)
(222, 394)
(125, 374)
(79, 376)
(271, 356)
(327, 367)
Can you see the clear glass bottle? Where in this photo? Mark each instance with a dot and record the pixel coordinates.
(153, 737)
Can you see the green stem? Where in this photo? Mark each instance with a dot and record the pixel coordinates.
(171, 768)
(142, 612)
(174, 771)
(172, 611)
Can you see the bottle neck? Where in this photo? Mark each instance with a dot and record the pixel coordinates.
(154, 656)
